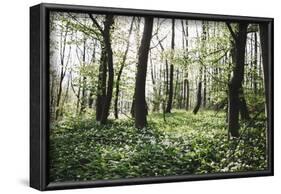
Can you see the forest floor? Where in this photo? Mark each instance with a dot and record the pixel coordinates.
(80, 149)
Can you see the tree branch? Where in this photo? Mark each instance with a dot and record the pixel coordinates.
(96, 23)
(85, 27)
(231, 31)
(159, 42)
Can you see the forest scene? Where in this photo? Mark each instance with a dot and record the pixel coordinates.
(133, 96)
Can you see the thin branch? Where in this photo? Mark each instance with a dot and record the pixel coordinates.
(159, 42)
(96, 23)
(215, 61)
(72, 87)
(85, 27)
(231, 31)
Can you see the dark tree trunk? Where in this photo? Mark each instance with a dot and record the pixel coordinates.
(107, 42)
(171, 85)
(184, 93)
(91, 93)
(84, 80)
(199, 98)
(264, 36)
(59, 93)
(101, 90)
(104, 92)
(121, 70)
(140, 103)
(244, 112)
(176, 92)
(205, 88)
(133, 106)
(255, 64)
(187, 95)
(235, 85)
(52, 95)
(78, 96)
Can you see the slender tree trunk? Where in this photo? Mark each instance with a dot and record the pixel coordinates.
(171, 85)
(140, 103)
(255, 64)
(121, 70)
(155, 100)
(78, 103)
(52, 95)
(59, 94)
(65, 97)
(205, 88)
(184, 93)
(138, 37)
(133, 105)
(101, 89)
(63, 43)
(199, 98)
(176, 92)
(91, 93)
(84, 80)
(187, 95)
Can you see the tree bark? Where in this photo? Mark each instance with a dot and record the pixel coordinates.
(101, 89)
(140, 103)
(171, 85)
(63, 42)
(244, 112)
(84, 80)
(121, 70)
(205, 88)
(255, 64)
(235, 85)
(105, 89)
(187, 95)
(199, 98)
(91, 93)
(107, 42)
(264, 37)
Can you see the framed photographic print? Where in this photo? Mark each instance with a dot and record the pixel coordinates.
(126, 96)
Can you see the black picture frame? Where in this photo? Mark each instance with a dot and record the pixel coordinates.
(39, 79)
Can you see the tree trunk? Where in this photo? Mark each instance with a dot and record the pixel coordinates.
(101, 89)
(107, 42)
(176, 92)
(205, 88)
(235, 85)
(187, 95)
(65, 97)
(140, 103)
(84, 80)
(199, 98)
(264, 37)
(171, 85)
(244, 112)
(62, 49)
(78, 96)
(59, 93)
(255, 64)
(121, 70)
(91, 93)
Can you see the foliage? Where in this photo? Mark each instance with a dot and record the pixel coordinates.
(81, 149)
